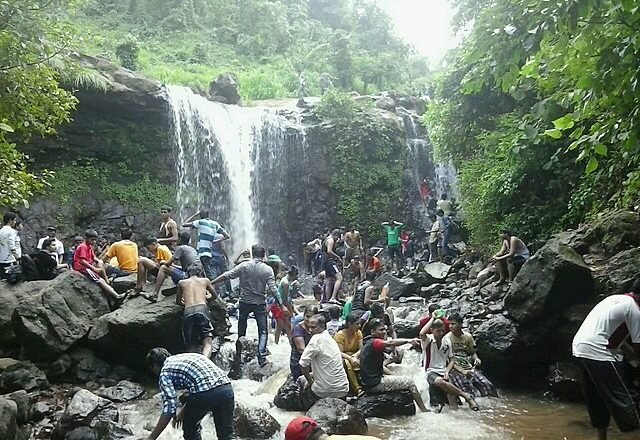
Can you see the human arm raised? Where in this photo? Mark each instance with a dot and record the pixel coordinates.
(188, 222)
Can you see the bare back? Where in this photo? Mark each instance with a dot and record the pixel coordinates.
(353, 239)
(194, 291)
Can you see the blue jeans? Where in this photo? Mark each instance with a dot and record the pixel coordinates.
(260, 314)
(220, 402)
(446, 250)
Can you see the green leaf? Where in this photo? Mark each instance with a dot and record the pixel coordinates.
(592, 165)
(601, 149)
(553, 133)
(6, 127)
(564, 123)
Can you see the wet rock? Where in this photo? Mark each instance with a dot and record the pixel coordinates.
(406, 329)
(7, 362)
(564, 382)
(10, 297)
(124, 391)
(23, 403)
(81, 433)
(110, 430)
(496, 339)
(621, 270)
(22, 376)
(431, 290)
(288, 396)
(60, 315)
(254, 423)
(252, 370)
(87, 367)
(122, 284)
(41, 410)
(553, 279)
(336, 416)
(398, 287)
(59, 367)
(225, 89)
(383, 405)
(85, 410)
(246, 350)
(386, 103)
(437, 270)
(8, 419)
(130, 332)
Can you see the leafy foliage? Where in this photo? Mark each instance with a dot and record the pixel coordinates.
(265, 43)
(539, 109)
(366, 170)
(31, 100)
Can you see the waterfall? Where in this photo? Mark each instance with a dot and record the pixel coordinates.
(228, 160)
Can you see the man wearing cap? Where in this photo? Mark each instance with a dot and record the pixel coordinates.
(305, 428)
(256, 280)
(209, 391)
(51, 233)
(610, 332)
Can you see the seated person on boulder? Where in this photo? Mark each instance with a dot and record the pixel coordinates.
(49, 246)
(511, 256)
(160, 252)
(125, 252)
(184, 254)
(438, 362)
(300, 337)
(85, 262)
(372, 359)
(465, 374)
(349, 341)
(193, 294)
(323, 356)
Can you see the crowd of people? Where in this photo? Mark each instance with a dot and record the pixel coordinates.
(341, 346)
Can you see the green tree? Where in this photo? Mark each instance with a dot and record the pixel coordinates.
(32, 103)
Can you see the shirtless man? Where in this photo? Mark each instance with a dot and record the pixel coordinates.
(353, 243)
(333, 276)
(168, 232)
(511, 256)
(193, 294)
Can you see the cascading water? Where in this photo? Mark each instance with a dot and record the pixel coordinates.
(231, 160)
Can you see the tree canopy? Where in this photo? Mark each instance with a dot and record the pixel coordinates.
(538, 109)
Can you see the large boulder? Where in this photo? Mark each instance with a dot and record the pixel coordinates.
(22, 376)
(406, 329)
(398, 287)
(10, 297)
(8, 419)
(225, 89)
(497, 340)
(254, 423)
(288, 396)
(23, 405)
(555, 278)
(85, 410)
(398, 403)
(621, 270)
(86, 367)
(336, 416)
(127, 334)
(609, 233)
(62, 313)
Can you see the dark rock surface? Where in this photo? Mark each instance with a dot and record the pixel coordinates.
(22, 376)
(386, 404)
(225, 89)
(124, 391)
(564, 382)
(254, 423)
(23, 403)
(10, 297)
(288, 396)
(335, 416)
(62, 313)
(8, 419)
(406, 329)
(398, 287)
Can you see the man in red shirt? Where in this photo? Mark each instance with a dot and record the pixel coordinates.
(85, 262)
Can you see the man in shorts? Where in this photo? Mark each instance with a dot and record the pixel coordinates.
(598, 347)
(438, 362)
(333, 276)
(85, 262)
(393, 228)
(372, 364)
(185, 254)
(193, 293)
(161, 253)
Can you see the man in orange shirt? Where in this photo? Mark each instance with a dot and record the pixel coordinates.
(126, 252)
(145, 265)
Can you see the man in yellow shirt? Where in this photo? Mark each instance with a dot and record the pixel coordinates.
(305, 428)
(125, 252)
(145, 265)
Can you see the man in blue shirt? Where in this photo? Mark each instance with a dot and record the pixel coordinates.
(210, 235)
(209, 390)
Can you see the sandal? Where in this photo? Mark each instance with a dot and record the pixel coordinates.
(473, 405)
(151, 298)
(360, 393)
(135, 292)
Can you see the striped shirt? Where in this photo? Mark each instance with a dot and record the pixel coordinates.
(187, 371)
(207, 231)
(256, 277)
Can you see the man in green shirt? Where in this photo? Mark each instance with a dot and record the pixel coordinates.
(393, 228)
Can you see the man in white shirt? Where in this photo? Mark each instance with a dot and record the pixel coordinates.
(322, 356)
(51, 233)
(599, 346)
(8, 250)
(438, 362)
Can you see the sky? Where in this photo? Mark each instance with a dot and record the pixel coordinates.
(423, 23)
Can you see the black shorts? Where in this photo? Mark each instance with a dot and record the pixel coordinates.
(395, 251)
(196, 325)
(607, 394)
(331, 269)
(517, 260)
